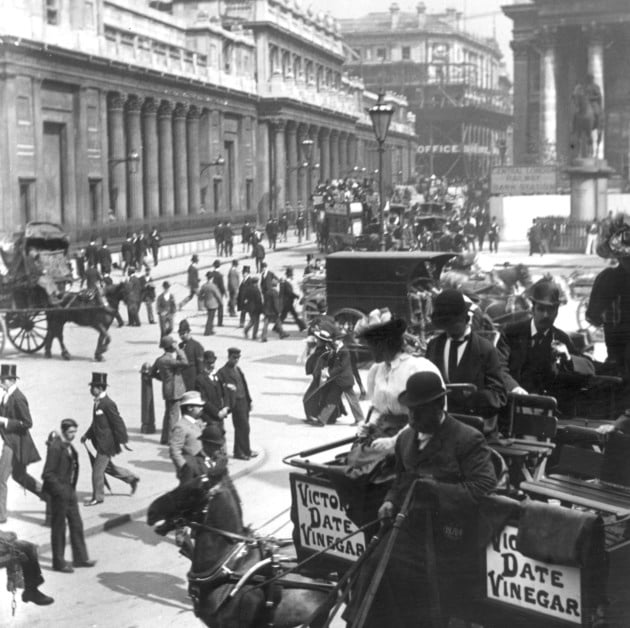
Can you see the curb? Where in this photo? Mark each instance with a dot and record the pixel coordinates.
(120, 520)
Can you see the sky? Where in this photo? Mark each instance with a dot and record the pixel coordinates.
(485, 17)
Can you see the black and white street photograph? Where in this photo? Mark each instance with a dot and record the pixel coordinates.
(314, 314)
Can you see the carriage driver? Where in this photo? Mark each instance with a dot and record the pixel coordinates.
(451, 464)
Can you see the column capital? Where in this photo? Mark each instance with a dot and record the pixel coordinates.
(133, 104)
(292, 127)
(547, 37)
(180, 110)
(278, 124)
(115, 100)
(596, 33)
(324, 132)
(150, 107)
(334, 134)
(520, 49)
(302, 131)
(343, 135)
(313, 131)
(193, 113)
(165, 110)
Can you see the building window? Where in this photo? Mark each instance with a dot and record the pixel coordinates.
(95, 201)
(27, 200)
(52, 12)
(406, 53)
(381, 53)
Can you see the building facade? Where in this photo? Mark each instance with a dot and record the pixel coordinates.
(176, 114)
(454, 82)
(556, 45)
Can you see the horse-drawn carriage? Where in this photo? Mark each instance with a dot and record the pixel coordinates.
(36, 298)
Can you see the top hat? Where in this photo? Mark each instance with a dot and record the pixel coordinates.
(8, 371)
(545, 292)
(191, 398)
(99, 379)
(422, 388)
(212, 434)
(380, 324)
(449, 304)
(184, 326)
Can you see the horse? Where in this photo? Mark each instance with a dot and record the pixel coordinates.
(83, 310)
(115, 294)
(584, 123)
(503, 281)
(224, 551)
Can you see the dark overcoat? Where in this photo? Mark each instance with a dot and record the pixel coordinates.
(16, 433)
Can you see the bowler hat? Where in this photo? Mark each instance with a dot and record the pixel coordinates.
(422, 387)
(246, 269)
(449, 304)
(8, 371)
(184, 326)
(545, 293)
(216, 263)
(209, 356)
(191, 398)
(194, 258)
(165, 285)
(99, 379)
(212, 434)
(234, 351)
(167, 342)
(66, 424)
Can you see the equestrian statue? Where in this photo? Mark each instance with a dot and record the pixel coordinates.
(588, 118)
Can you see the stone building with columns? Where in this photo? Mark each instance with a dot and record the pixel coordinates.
(178, 114)
(454, 81)
(556, 45)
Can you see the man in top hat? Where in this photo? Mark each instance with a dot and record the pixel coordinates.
(542, 357)
(246, 270)
(184, 440)
(168, 369)
(18, 448)
(108, 434)
(60, 476)
(288, 296)
(211, 389)
(451, 463)
(127, 252)
(217, 279)
(465, 357)
(192, 280)
(239, 401)
(233, 281)
(194, 354)
(133, 297)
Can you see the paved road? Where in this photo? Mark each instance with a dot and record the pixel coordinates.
(140, 578)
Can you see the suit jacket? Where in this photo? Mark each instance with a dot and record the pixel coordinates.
(16, 433)
(479, 365)
(168, 369)
(102, 432)
(61, 469)
(228, 379)
(212, 393)
(457, 457)
(166, 307)
(105, 259)
(193, 277)
(234, 280)
(133, 292)
(194, 354)
(217, 280)
(210, 295)
(250, 297)
(184, 441)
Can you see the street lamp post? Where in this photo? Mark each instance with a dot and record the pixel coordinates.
(219, 161)
(381, 116)
(307, 148)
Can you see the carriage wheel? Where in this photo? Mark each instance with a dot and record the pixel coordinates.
(347, 318)
(314, 305)
(27, 331)
(595, 334)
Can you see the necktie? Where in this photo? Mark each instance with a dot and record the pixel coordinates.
(538, 339)
(452, 356)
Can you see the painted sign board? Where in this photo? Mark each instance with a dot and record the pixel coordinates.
(515, 579)
(521, 180)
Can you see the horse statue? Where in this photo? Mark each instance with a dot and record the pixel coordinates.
(228, 580)
(586, 119)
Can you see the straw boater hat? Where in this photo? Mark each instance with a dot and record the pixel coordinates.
(192, 398)
(380, 323)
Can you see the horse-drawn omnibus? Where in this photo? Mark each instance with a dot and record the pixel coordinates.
(36, 296)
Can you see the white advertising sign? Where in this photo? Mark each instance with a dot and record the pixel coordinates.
(322, 521)
(519, 180)
(543, 588)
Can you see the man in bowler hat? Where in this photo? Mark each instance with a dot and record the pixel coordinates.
(61, 472)
(239, 401)
(108, 434)
(18, 448)
(208, 384)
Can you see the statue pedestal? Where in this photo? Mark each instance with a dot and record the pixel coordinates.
(589, 188)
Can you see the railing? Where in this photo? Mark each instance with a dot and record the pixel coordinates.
(566, 236)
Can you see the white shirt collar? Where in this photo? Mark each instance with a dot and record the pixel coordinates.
(533, 331)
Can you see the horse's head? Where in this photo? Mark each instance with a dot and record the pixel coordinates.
(181, 502)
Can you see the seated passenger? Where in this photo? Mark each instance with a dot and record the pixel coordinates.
(543, 359)
(465, 357)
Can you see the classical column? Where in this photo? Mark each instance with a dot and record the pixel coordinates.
(351, 154)
(150, 158)
(194, 167)
(334, 155)
(180, 161)
(134, 143)
(548, 99)
(165, 131)
(117, 171)
(303, 173)
(324, 154)
(292, 165)
(280, 162)
(521, 99)
(344, 166)
(595, 55)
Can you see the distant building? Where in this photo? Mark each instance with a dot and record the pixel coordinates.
(556, 44)
(454, 82)
(131, 112)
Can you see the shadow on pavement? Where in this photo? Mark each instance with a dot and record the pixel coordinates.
(154, 465)
(159, 588)
(279, 418)
(288, 359)
(282, 393)
(138, 530)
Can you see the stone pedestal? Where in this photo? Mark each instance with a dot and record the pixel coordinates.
(589, 188)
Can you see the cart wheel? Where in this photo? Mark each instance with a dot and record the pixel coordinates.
(3, 335)
(27, 331)
(347, 318)
(595, 334)
(314, 305)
